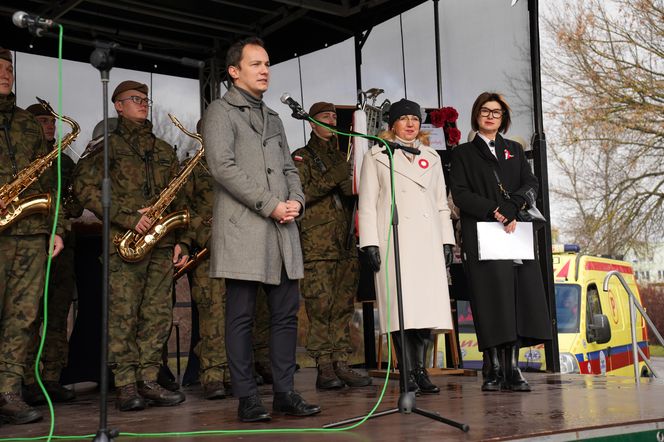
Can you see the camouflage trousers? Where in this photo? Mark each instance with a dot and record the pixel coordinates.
(329, 289)
(209, 294)
(60, 295)
(140, 315)
(22, 274)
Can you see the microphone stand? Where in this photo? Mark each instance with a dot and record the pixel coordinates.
(102, 59)
(407, 402)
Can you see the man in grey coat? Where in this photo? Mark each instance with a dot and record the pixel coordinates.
(255, 240)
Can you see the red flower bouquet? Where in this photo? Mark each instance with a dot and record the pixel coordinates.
(446, 118)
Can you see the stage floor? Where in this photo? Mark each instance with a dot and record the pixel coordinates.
(560, 407)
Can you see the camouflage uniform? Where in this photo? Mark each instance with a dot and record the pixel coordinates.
(209, 294)
(140, 304)
(23, 246)
(61, 292)
(331, 271)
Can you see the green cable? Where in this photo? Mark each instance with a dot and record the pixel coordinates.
(217, 432)
(50, 249)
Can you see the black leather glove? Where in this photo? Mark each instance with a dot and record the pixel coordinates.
(448, 251)
(509, 210)
(373, 255)
(519, 200)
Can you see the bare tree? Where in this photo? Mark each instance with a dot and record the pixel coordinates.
(164, 128)
(604, 79)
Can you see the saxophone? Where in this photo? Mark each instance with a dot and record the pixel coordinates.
(133, 246)
(40, 203)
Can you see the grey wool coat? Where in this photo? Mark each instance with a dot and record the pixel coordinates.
(253, 170)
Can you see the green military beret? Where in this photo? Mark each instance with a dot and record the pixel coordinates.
(129, 85)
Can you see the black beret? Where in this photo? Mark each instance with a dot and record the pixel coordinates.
(403, 107)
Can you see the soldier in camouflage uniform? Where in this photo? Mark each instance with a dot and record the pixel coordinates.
(61, 289)
(331, 269)
(23, 247)
(140, 305)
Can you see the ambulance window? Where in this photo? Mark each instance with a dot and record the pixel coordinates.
(593, 307)
(568, 297)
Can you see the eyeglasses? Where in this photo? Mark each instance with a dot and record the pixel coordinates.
(495, 113)
(138, 100)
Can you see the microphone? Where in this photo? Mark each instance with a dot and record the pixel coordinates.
(298, 112)
(394, 146)
(36, 25)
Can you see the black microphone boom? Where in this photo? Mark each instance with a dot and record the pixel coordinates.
(36, 25)
(298, 112)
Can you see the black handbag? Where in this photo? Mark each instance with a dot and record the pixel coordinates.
(529, 213)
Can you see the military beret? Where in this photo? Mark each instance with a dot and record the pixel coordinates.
(6, 54)
(129, 85)
(321, 106)
(38, 110)
(401, 108)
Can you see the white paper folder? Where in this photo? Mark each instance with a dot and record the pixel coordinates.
(495, 243)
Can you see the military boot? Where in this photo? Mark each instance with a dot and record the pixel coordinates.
(351, 377)
(264, 370)
(157, 395)
(15, 411)
(32, 394)
(214, 390)
(327, 378)
(128, 398)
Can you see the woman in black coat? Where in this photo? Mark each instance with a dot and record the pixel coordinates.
(507, 297)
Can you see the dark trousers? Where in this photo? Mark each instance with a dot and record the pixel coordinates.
(283, 300)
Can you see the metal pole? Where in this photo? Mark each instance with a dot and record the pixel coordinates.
(635, 343)
(439, 79)
(541, 170)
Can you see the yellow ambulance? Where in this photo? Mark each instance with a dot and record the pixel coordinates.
(594, 334)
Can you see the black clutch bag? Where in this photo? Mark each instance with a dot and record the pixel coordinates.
(528, 214)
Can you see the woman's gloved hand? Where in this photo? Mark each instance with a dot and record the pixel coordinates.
(448, 251)
(373, 254)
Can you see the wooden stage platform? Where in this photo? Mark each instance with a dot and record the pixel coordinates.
(560, 407)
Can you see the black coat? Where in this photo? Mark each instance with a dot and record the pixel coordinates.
(508, 301)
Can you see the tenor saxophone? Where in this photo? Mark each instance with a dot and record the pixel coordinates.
(133, 246)
(39, 203)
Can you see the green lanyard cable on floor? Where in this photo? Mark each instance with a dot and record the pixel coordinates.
(215, 432)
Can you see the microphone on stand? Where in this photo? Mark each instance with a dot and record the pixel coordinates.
(35, 24)
(394, 146)
(298, 112)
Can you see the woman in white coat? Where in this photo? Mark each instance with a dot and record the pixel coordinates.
(425, 232)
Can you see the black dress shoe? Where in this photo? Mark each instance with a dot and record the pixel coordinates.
(250, 409)
(292, 404)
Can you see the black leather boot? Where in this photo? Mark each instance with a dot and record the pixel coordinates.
(408, 373)
(486, 365)
(419, 343)
(514, 380)
(494, 376)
